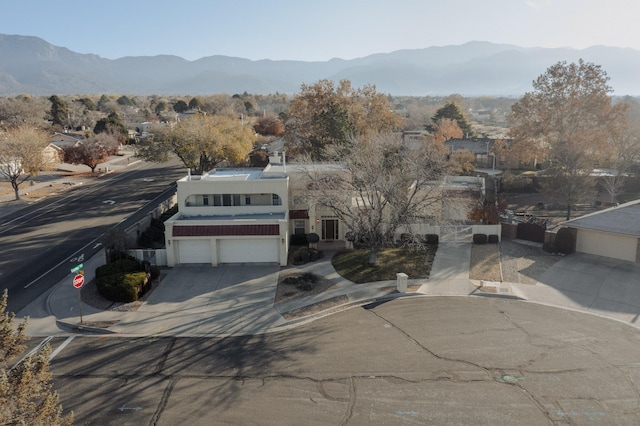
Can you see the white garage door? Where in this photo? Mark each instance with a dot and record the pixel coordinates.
(194, 251)
(249, 251)
(608, 245)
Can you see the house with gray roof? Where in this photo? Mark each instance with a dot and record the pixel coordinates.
(613, 232)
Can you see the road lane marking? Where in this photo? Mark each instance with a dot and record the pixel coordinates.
(61, 347)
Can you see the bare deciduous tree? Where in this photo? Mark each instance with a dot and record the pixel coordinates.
(379, 187)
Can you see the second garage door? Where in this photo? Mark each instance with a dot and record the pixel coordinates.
(249, 251)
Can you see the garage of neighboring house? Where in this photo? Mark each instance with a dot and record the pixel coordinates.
(613, 232)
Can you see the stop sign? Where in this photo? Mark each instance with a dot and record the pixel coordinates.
(78, 281)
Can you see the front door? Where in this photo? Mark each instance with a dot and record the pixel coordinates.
(329, 229)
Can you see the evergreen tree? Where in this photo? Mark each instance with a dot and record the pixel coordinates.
(451, 111)
(26, 393)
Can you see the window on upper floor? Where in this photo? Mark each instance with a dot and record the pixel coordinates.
(275, 200)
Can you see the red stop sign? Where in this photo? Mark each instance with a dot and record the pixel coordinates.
(78, 281)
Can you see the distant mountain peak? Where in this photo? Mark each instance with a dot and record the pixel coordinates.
(476, 68)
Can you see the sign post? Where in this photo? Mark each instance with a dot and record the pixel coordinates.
(78, 282)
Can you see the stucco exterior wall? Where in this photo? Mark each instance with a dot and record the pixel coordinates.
(609, 245)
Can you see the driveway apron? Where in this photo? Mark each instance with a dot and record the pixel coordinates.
(199, 300)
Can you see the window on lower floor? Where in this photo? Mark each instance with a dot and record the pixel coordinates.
(299, 226)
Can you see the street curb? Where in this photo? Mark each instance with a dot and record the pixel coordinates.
(351, 304)
(76, 328)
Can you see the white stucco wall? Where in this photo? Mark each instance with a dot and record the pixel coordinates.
(606, 244)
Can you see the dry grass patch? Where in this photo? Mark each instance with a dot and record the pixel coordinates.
(485, 262)
(354, 265)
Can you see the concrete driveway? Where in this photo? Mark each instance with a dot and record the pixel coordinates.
(196, 300)
(595, 284)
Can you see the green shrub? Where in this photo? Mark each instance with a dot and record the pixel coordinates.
(565, 240)
(122, 287)
(493, 239)
(123, 265)
(432, 239)
(155, 273)
(303, 255)
(298, 240)
(157, 224)
(479, 238)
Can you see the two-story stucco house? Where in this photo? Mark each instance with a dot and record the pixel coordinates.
(230, 216)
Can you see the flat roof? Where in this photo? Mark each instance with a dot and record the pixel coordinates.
(249, 216)
(239, 174)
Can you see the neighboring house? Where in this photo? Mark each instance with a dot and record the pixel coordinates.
(64, 140)
(481, 148)
(53, 154)
(613, 232)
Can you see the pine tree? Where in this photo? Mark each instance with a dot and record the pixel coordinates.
(26, 393)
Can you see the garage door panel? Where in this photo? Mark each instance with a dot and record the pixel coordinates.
(194, 251)
(249, 251)
(608, 245)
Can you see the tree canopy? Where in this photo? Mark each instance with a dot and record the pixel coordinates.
(382, 188)
(58, 110)
(451, 111)
(202, 142)
(92, 151)
(324, 114)
(567, 120)
(21, 155)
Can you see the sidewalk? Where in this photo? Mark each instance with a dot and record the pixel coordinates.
(60, 180)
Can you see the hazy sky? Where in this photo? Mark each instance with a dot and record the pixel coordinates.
(316, 30)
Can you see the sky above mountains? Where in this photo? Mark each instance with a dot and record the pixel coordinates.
(316, 30)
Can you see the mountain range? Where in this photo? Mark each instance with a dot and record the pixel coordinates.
(33, 66)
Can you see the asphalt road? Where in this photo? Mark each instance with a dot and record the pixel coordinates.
(39, 244)
(430, 360)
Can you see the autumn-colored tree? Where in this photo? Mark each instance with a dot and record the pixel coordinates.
(445, 129)
(202, 142)
(26, 393)
(488, 213)
(269, 125)
(21, 155)
(92, 151)
(462, 163)
(324, 114)
(567, 120)
(451, 111)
